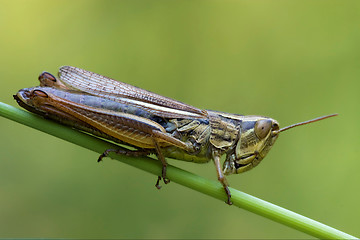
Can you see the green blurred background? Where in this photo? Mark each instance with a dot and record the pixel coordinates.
(290, 60)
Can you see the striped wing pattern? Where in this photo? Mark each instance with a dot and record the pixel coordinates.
(108, 88)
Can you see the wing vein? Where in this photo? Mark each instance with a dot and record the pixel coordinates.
(108, 88)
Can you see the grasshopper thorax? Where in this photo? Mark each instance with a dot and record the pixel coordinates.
(257, 136)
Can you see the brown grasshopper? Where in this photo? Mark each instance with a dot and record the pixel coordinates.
(152, 123)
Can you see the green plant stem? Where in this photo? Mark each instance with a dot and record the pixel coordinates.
(208, 187)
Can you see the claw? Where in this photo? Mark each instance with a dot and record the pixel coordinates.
(166, 180)
(157, 185)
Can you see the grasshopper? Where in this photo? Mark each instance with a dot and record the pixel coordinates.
(151, 123)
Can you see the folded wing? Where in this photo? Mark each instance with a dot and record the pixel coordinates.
(98, 85)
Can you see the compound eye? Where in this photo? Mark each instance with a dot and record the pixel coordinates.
(262, 128)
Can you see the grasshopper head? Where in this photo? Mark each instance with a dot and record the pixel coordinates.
(257, 136)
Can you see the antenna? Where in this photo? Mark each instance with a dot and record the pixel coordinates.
(307, 122)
